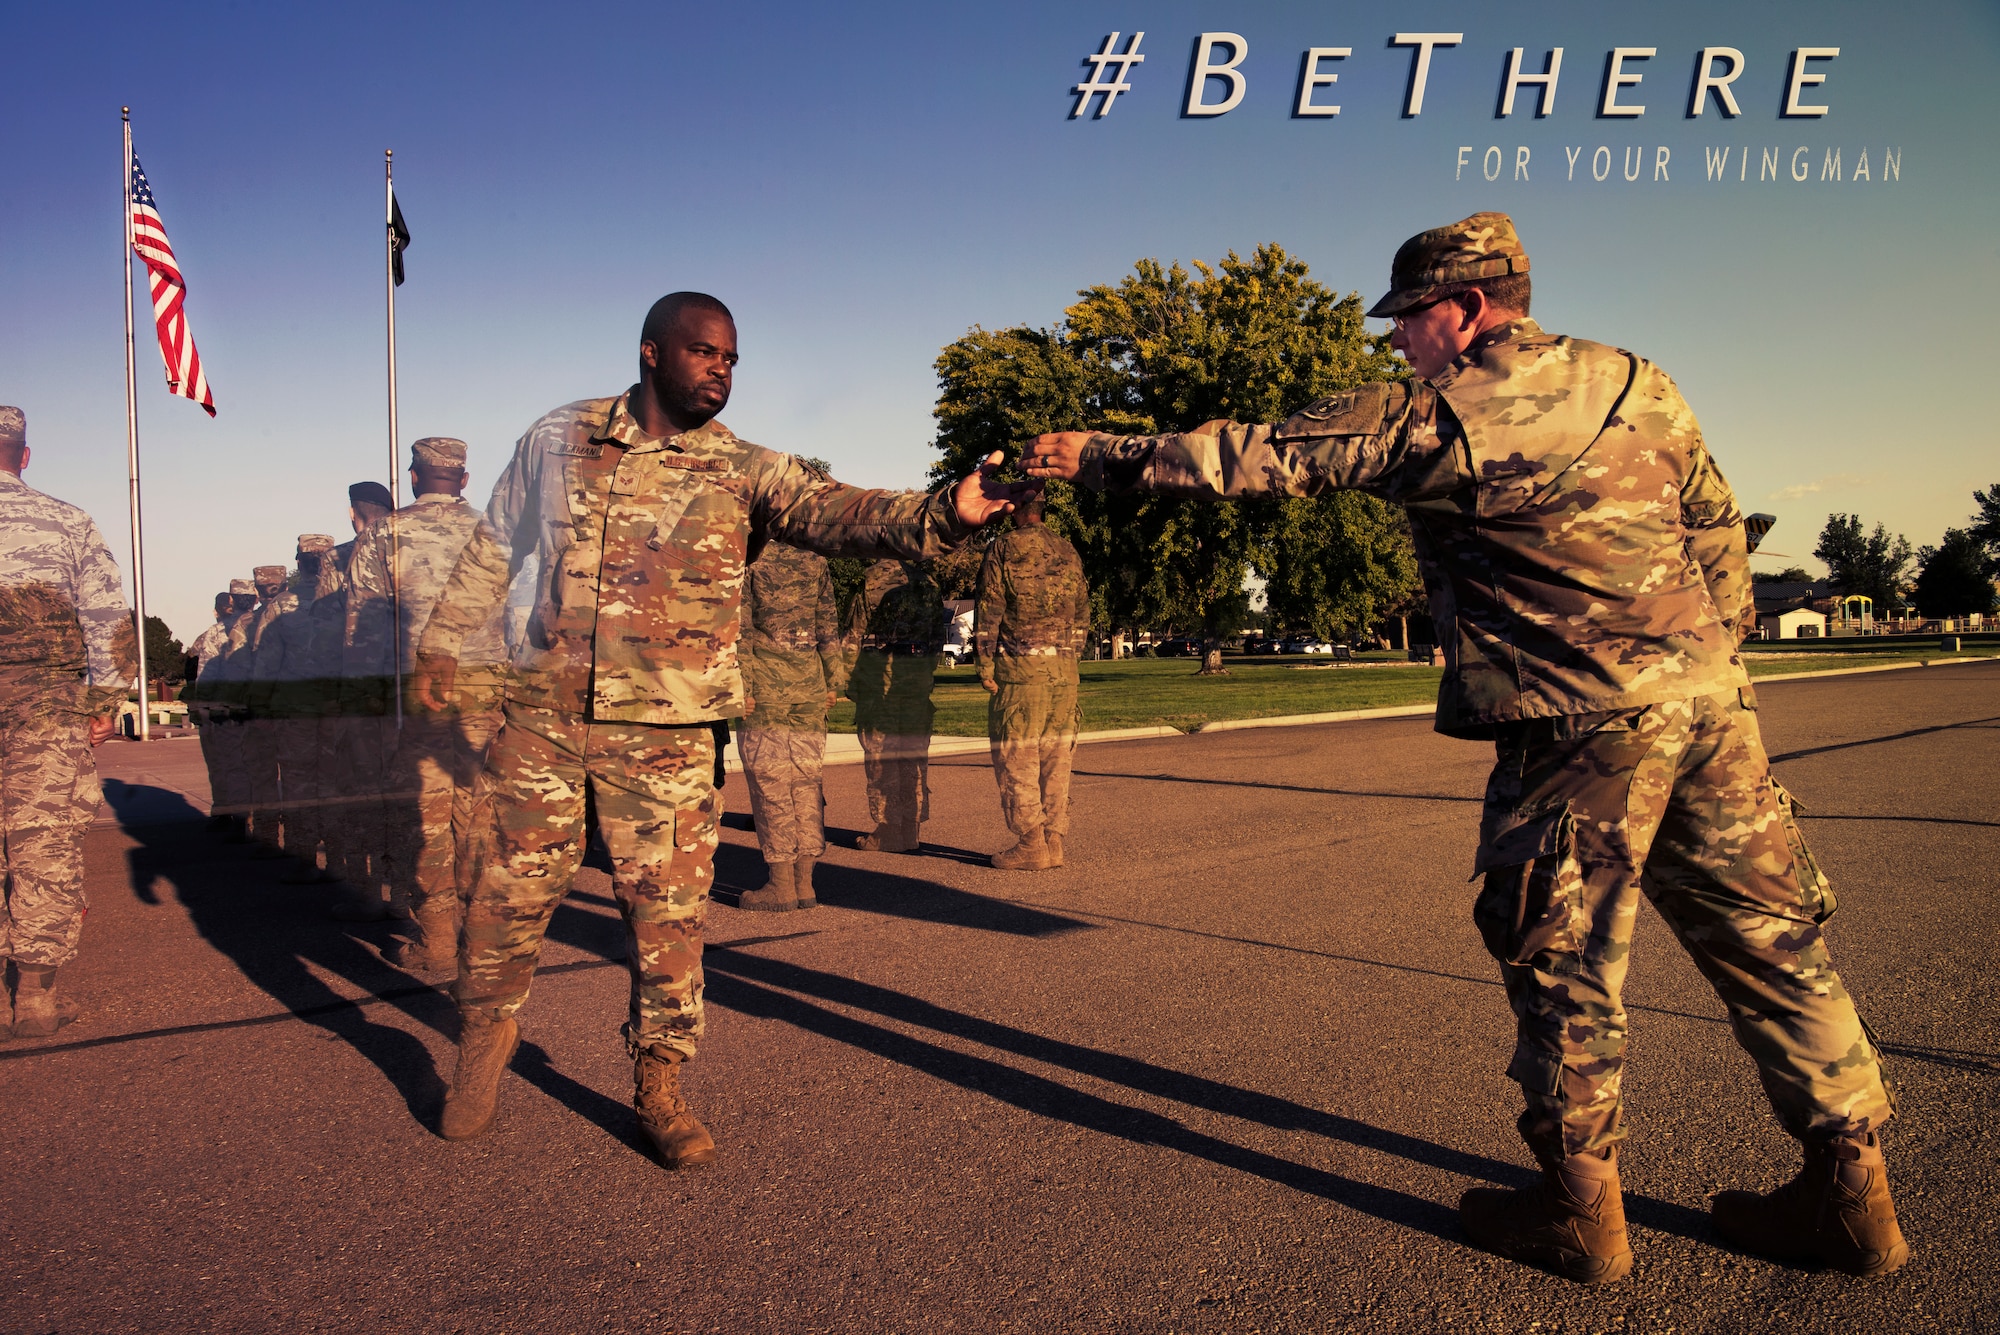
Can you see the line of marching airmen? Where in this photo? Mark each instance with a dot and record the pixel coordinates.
(309, 755)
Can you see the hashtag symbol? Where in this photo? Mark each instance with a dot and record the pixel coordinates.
(1113, 86)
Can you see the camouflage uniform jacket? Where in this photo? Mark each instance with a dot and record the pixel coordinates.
(1581, 550)
(422, 542)
(284, 676)
(898, 620)
(791, 646)
(218, 682)
(64, 625)
(643, 542)
(1033, 610)
(248, 686)
(329, 630)
(208, 646)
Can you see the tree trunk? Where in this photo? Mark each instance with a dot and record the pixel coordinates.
(1118, 649)
(1211, 659)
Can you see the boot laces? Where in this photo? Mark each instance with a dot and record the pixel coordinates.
(659, 1089)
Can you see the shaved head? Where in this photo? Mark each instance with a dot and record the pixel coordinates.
(666, 313)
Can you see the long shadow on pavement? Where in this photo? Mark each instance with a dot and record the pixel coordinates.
(277, 934)
(1273, 787)
(1803, 752)
(749, 983)
(894, 895)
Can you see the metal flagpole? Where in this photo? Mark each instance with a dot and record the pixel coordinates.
(395, 489)
(132, 447)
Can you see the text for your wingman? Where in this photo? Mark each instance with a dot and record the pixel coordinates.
(1217, 68)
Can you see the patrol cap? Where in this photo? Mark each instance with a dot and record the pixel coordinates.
(242, 588)
(314, 544)
(269, 575)
(437, 452)
(1482, 246)
(13, 425)
(370, 493)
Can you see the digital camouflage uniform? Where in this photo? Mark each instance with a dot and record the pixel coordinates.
(1588, 575)
(208, 646)
(427, 813)
(1030, 623)
(896, 628)
(262, 784)
(792, 665)
(629, 657)
(67, 655)
(347, 838)
(221, 701)
(291, 681)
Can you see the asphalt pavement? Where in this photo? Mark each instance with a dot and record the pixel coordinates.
(1228, 1070)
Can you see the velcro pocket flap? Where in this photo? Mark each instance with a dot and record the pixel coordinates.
(1525, 837)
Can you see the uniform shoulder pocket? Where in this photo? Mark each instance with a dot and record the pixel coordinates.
(1356, 412)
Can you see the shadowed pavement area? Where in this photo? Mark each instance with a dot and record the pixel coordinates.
(1228, 1070)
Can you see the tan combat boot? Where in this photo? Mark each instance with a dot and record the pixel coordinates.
(1571, 1222)
(1836, 1212)
(1031, 854)
(433, 945)
(802, 883)
(1055, 844)
(890, 837)
(485, 1046)
(776, 895)
(38, 1012)
(680, 1140)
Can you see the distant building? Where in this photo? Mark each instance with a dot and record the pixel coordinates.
(958, 633)
(1797, 623)
(1793, 609)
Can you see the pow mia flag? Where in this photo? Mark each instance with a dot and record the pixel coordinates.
(399, 238)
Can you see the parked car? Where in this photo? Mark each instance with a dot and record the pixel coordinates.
(1300, 644)
(1178, 647)
(1260, 644)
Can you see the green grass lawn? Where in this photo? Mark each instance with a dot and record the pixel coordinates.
(1764, 663)
(1139, 693)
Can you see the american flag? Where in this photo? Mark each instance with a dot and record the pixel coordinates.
(149, 242)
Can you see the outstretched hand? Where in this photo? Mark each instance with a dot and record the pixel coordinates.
(433, 682)
(1057, 454)
(981, 497)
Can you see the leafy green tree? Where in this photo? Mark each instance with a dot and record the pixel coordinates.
(1985, 528)
(165, 658)
(1952, 580)
(1871, 563)
(1337, 565)
(1167, 349)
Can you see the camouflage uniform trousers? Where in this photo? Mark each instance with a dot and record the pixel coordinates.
(262, 792)
(1677, 800)
(892, 719)
(653, 790)
(222, 751)
(352, 750)
(783, 758)
(48, 786)
(896, 761)
(438, 760)
(1032, 725)
(297, 743)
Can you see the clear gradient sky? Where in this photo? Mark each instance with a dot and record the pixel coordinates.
(864, 183)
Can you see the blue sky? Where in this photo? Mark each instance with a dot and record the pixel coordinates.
(862, 184)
